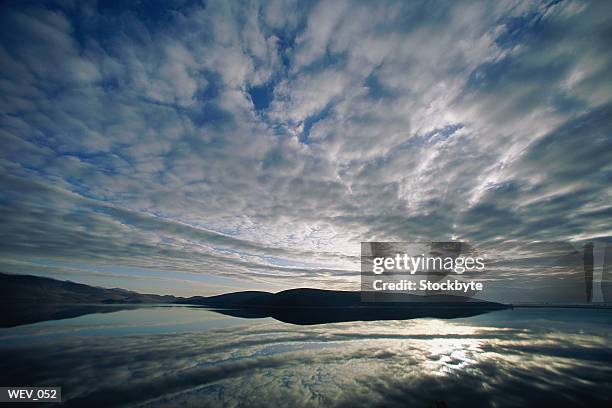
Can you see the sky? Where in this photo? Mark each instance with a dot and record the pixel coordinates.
(194, 147)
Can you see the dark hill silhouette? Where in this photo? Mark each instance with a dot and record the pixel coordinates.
(294, 298)
(320, 298)
(316, 306)
(36, 289)
(234, 298)
(308, 298)
(27, 299)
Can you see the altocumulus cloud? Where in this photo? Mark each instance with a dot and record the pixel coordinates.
(264, 141)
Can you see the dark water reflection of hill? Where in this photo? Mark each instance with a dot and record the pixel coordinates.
(310, 316)
(193, 357)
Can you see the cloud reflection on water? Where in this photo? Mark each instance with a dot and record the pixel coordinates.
(485, 361)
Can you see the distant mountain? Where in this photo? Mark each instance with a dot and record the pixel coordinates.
(316, 306)
(28, 299)
(31, 290)
(292, 298)
(27, 289)
(228, 299)
(305, 298)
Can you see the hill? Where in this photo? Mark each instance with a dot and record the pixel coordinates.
(27, 299)
(20, 289)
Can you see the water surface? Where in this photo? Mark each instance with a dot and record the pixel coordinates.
(182, 356)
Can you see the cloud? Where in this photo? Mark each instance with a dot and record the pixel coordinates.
(349, 364)
(138, 137)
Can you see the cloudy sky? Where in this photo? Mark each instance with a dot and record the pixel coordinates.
(195, 147)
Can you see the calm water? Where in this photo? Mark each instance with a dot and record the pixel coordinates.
(181, 356)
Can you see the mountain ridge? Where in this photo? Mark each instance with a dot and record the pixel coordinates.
(28, 299)
(30, 289)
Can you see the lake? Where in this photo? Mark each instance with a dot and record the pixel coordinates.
(162, 356)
